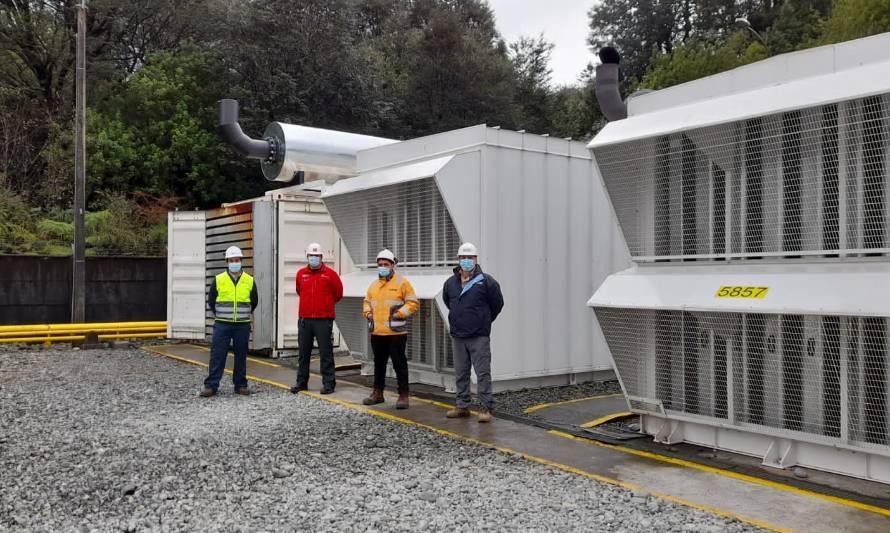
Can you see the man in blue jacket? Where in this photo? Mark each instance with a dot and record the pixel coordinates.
(474, 301)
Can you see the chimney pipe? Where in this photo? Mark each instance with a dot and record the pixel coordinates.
(233, 135)
(606, 85)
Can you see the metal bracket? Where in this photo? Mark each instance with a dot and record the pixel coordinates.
(781, 454)
(670, 432)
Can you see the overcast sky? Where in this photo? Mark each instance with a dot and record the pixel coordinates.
(563, 22)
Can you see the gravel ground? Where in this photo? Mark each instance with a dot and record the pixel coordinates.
(515, 402)
(116, 440)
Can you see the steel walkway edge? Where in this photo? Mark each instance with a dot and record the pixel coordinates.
(766, 504)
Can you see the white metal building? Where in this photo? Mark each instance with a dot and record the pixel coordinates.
(755, 207)
(273, 232)
(543, 227)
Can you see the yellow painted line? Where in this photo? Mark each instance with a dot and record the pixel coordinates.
(532, 458)
(538, 407)
(730, 474)
(605, 419)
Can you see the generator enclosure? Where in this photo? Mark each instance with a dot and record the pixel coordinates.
(543, 227)
(755, 207)
(272, 232)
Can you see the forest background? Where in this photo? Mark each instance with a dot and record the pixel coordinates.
(393, 68)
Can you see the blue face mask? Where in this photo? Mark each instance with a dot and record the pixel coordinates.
(384, 272)
(467, 264)
(314, 261)
(234, 267)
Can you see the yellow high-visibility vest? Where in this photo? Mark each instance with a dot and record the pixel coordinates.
(233, 301)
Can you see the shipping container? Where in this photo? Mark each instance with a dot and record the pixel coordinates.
(272, 232)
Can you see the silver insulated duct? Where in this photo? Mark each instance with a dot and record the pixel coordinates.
(287, 149)
(606, 85)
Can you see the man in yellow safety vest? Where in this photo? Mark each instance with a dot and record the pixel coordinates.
(232, 298)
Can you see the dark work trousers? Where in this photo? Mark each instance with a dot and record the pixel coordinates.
(390, 347)
(318, 330)
(225, 334)
(472, 352)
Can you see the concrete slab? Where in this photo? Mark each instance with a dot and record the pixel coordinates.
(765, 503)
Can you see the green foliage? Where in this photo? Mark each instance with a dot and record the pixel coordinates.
(15, 223)
(852, 19)
(54, 230)
(697, 59)
(121, 228)
(396, 68)
(156, 133)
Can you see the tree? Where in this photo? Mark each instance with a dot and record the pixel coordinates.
(638, 29)
(697, 58)
(439, 65)
(852, 19)
(156, 134)
(531, 68)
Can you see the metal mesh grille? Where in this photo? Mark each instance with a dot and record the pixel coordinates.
(353, 326)
(232, 226)
(821, 377)
(429, 345)
(805, 182)
(408, 218)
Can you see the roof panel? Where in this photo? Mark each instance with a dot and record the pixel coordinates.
(807, 92)
(388, 176)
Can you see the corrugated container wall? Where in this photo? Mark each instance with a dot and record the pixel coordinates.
(272, 232)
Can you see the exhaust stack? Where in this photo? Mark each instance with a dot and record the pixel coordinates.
(606, 85)
(231, 132)
(287, 149)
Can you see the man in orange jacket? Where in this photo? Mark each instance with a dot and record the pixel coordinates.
(389, 303)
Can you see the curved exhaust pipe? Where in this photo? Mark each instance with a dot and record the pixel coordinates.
(288, 151)
(231, 132)
(606, 85)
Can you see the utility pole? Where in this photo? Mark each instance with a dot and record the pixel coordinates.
(78, 278)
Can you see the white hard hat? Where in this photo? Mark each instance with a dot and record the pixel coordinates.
(233, 251)
(314, 249)
(386, 254)
(467, 248)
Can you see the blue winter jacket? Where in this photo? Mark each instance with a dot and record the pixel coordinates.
(473, 307)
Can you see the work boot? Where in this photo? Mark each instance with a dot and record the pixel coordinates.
(458, 412)
(296, 389)
(402, 402)
(207, 393)
(375, 397)
(242, 391)
(484, 416)
(327, 390)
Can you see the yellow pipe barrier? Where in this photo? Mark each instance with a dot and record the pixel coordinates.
(83, 327)
(32, 340)
(36, 333)
(70, 338)
(50, 333)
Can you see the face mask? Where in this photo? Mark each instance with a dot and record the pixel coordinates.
(314, 261)
(383, 272)
(467, 264)
(234, 267)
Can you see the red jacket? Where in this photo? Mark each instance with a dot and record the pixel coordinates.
(319, 290)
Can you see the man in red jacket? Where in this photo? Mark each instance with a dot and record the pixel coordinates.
(319, 289)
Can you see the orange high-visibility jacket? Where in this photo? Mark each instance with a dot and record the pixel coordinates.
(388, 305)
